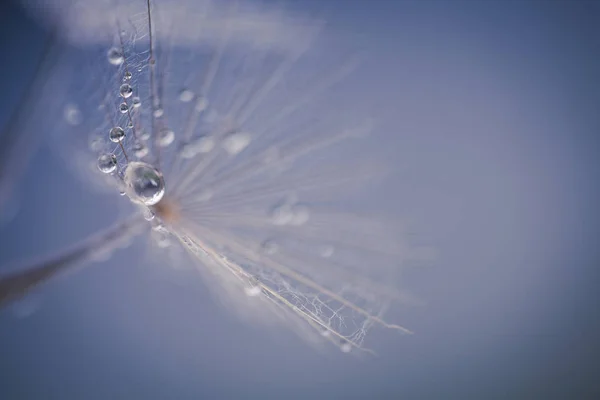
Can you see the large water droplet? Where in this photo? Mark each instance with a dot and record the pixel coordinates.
(236, 142)
(115, 56)
(166, 137)
(107, 163)
(125, 90)
(145, 184)
(116, 134)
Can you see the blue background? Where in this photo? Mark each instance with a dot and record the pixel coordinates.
(493, 115)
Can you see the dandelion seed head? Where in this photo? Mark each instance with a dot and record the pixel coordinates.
(247, 167)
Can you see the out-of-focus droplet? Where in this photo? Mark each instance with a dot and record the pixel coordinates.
(96, 143)
(269, 247)
(140, 150)
(282, 214)
(107, 163)
(166, 137)
(326, 251)
(202, 144)
(345, 346)
(161, 238)
(116, 134)
(300, 215)
(159, 112)
(136, 102)
(253, 291)
(144, 183)
(186, 95)
(73, 115)
(125, 90)
(325, 332)
(115, 56)
(236, 142)
(201, 104)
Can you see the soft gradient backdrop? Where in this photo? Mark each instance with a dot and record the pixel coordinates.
(493, 116)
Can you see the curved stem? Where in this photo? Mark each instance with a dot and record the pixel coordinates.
(17, 284)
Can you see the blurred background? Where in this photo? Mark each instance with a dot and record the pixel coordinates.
(492, 116)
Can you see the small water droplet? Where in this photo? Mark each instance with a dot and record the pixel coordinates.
(326, 251)
(236, 142)
(140, 150)
(144, 135)
(116, 134)
(125, 90)
(300, 215)
(115, 56)
(159, 112)
(137, 103)
(186, 95)
(107, 163)
(325, 332)
(253, 291)
(282, 214)
(166, 137)
(148, 214)
(96, 143)
(123, 108)
(345, 346)
(144, 183)
(201, 104)
(72, 114)
(127, 76)
(270, 247)
(202, 144)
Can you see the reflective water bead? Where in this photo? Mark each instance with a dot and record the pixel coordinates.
(115, 56)
(186, 95)
(127, 76)
(123, 108)
(236, 142)
(145, 184)
(137, 103)
(107, 163)
(125, 90)
(148, 214)
(166, 137)
(116, 134)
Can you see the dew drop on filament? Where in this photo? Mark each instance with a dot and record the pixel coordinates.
(144, 183)
(125, 90)
(107, 163)
(116, 134)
